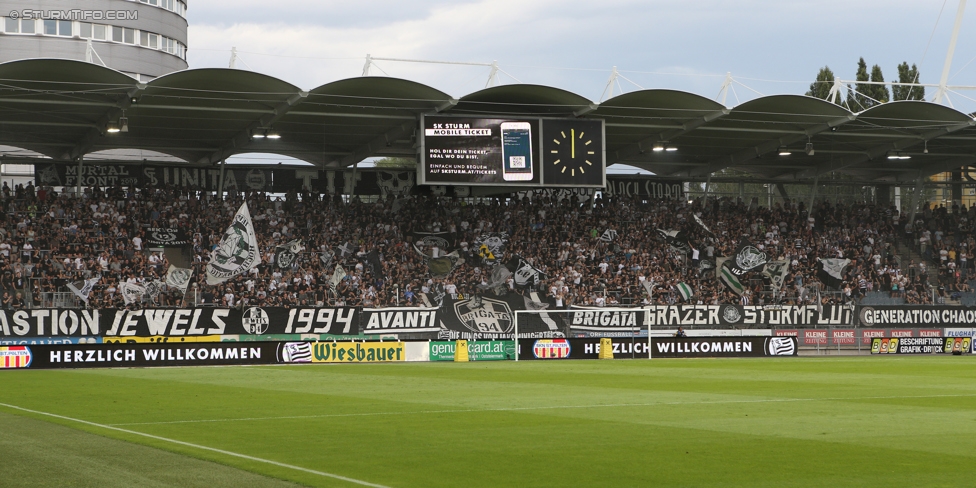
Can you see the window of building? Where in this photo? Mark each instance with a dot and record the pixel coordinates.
(144, 38)
(98, 32)
(11, 26)
(27, 27)
(64, 28)
(116, 34)
(86, 30)
(153, 41)
(129, 35)
(50, 27)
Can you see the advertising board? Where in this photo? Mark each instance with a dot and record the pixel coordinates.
(55, 356)
(669, 347)
(477, 350)
(355, 352)
(921, 345)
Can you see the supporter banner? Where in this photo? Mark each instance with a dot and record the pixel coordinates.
(644, 187)
(49, 356)
(477, 350)
(493, 317)
(670, 347)
(25, 341)
(400, 321)
(177, 322)
(236, 178)
(916, 316)
(748, 315)
(921, 345)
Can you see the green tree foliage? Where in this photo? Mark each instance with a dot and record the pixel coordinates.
(878, 92)
(856, 100)
(908, 75)
(821, 87)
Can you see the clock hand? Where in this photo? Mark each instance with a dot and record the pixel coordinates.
(572, 137)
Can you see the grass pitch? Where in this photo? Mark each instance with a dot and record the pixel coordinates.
(840, 421)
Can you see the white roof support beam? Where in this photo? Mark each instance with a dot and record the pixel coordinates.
(768, 147)
(883, 149)
(243, 138)
(668, 135)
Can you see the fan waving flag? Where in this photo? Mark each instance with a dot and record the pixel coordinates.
(729, 279)
(685, 291)
(285, 254)
(237, 251)
(178, 277)
(83, 288)
(831, 271)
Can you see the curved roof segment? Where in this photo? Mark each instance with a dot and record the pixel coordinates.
(62, 108)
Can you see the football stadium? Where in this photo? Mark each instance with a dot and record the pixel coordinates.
(527, 287)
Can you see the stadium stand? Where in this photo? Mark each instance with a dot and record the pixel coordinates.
(50, 240)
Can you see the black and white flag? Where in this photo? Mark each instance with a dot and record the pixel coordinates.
(491, 245)
(153, 288)
(83, 289)
(337, 276)
(609, 235)
(166, 237)
(326, 258)
(497, 280)
(131, 292)
(346, 249)
(237, 252)
(831, 271)
(178, 277)
(747, 258)
(524, 273)
(776, 272)
(442, 266)
(702, 225)
(286, 254)
(678, 240)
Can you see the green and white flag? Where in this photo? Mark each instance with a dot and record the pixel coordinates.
(730, 280)
(685, 291)
(237, 251)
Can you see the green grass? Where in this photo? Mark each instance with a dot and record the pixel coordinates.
(842, 421)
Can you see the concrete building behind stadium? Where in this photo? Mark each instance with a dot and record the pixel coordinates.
(144, 39)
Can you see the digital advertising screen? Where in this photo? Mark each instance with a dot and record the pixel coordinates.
(512, 152)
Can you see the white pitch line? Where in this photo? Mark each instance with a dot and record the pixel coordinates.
(197, 446)
(520, 409)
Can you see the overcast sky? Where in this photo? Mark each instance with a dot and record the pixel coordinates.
(771, 46)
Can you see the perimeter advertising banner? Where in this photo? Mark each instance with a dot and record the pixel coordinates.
(921, 345)
(477, 350)
(674, 347)
(54, 356)
(177, 322)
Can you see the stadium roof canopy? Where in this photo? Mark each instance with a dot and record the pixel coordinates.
(62, 108)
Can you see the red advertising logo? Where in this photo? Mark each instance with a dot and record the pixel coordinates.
(551, 348)
(15, 357)
(868, 334)
(815, 336)
(930, 332)
(843, 336)
(787, 333)
(901, 332)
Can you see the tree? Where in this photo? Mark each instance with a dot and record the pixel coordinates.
(878, 92)
(821, 87)
(856, 100)
(908, 75)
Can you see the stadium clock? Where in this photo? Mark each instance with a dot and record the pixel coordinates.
(573, 152)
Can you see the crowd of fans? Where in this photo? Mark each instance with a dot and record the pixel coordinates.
(48, 240)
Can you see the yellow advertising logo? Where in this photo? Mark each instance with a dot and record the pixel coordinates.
(948, 345)
(356, 352)
(875, 345)
(966, 342)
(893, 346)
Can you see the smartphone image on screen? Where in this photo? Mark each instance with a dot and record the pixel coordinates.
(516, 151)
